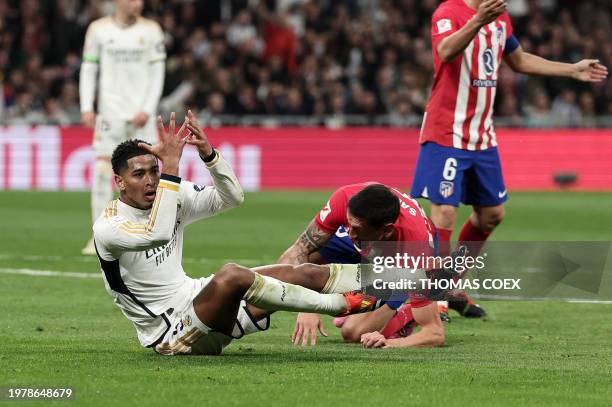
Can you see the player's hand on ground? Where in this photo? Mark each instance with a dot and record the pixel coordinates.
(171, 143)
(489, 10)
(197, 137)
(590, 70)
(306, 326)
(140, 120)
(88, 119)
(374, 340)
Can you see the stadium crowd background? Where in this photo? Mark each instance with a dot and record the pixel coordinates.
(330, 62)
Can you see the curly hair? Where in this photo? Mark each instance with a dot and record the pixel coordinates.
(124, 151)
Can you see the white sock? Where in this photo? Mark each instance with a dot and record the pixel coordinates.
(246, 324)
(343, 278)
(350, 277)
(275, 295)
(102, 189)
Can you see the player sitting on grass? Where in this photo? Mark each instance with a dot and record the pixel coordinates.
(356, 214)
(139, 242)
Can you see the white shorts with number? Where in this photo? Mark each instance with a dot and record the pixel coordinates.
(110, 133)
(184, 339)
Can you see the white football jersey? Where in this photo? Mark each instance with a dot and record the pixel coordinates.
(140, 251)
(123, 54)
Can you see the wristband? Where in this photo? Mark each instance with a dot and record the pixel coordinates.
(210, 158)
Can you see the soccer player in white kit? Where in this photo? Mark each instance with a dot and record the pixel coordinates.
(128, 53)
(139, 241)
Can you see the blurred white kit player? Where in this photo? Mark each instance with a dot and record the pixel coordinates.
(128, 52)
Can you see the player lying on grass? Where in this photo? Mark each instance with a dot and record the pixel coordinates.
(356, 214)
(139, 240)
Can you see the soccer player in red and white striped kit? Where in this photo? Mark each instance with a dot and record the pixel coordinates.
(458, 159)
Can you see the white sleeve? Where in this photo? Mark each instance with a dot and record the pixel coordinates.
(204, 202)
(120, 235)
(157, 69)
(87, 85)
(89, 69)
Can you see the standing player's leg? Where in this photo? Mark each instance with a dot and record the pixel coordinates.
(486, 192)
(107, 135)
(444, 218)
(479, 226)
(439, 177)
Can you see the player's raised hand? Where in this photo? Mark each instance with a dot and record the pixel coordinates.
(489, 10)
(196, 136)
(306, 326)
(590, 70)
(373, 340)
(171, 143)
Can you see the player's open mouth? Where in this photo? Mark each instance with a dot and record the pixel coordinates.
(150, 195)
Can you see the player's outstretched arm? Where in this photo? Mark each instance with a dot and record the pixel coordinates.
(88, 75)
(587, 70)
(453, 45)
(310, 241)
(227, 192)
(430, 335)
(119, 235)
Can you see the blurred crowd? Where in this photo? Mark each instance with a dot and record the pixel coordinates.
(323, 62)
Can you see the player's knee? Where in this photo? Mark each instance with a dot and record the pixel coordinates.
(493, 218)
(444, 216)
(233, 276)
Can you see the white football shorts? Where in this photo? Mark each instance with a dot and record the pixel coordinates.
(110, 133)
(184, 339)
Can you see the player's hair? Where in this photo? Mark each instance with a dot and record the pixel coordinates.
(124, 151)
(376, 205)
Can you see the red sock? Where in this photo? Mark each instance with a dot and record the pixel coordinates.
(472, 237)
(401, 318)
(444, 237)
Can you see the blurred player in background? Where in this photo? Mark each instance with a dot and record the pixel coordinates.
(127, 51)
(458, 159)
(354, 215)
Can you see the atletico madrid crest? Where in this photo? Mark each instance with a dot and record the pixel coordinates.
(446, 188)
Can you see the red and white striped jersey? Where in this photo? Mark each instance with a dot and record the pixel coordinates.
(460, 108)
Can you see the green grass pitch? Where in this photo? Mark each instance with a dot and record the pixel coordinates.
(61, 331)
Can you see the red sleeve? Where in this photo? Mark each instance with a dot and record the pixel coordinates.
(443, 24)
(416, 302)
(509, 28)
(333, 214)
